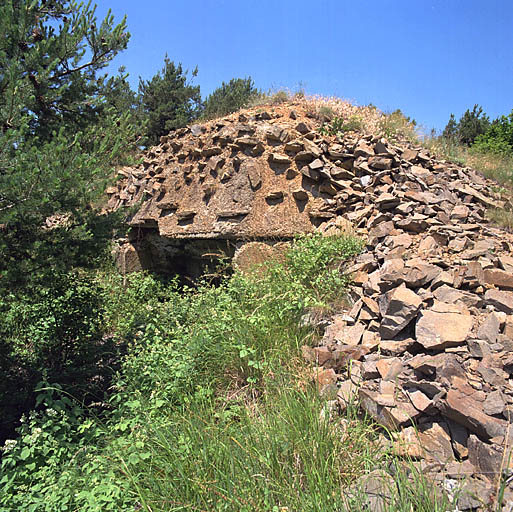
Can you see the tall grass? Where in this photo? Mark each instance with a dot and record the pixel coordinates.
(271, 453)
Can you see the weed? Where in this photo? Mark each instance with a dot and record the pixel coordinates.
(207, 375)
(325, 113)
(339, 125)
(396, 125)
(279, 97)
(497, 167)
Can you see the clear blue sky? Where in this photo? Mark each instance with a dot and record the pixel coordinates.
(427, 57)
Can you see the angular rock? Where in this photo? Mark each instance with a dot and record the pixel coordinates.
(448, 294)
(389, 368)
(499, 278)
(396, 347)
(409, 154)
(489, 328)
(435, 440)
(300, 195)
(277, 158)
(489, 460)
(347, 394)
(468, 412)
(302, 128)
(494, 403)
(415, 274)
(442, 327)
(420, 401)
(459, 438)
(379, 162)
(325, 377)
(402, 307)
(502, 301)
(392, 418)
(374, 490)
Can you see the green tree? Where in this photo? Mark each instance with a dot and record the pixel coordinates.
(168, 100)
(230, 97)
(471, 124)
(499, 136)
(64, 126)
(59, 138)
(451, 129)
(119, 96)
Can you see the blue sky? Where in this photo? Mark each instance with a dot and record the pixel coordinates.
(427, 57)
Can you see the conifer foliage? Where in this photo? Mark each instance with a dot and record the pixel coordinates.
(59, 136)
(471, 124)
(169, 100)
(230, 97)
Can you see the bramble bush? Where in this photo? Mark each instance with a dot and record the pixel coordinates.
(54, 333)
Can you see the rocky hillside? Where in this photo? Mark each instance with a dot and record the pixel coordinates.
(426, 347)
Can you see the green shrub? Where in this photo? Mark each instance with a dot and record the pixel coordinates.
(279, 97)
(211, 409)
(230, 97)
(471, 125)
(498, 138)
(55, 463)
(55, 334)
(187, 353)
(396, 124)
(337, 124)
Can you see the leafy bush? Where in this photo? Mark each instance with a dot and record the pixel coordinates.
(230, 97)
(54, 464)
(57, 335)
(185, 350)
(397, 125)
(498, 138)
(212, 409)
(337, 124)
(279, 97)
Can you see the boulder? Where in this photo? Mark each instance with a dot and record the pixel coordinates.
(442, 326)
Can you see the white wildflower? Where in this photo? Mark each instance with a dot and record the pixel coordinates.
(10, 444)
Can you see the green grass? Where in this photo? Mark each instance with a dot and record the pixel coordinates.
(213, 408)
(253, 455)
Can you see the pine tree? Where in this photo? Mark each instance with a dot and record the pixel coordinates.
(230, 97)
(59, 136)
(451, 129)
(168, 100)
(64, 125)
(472, 124)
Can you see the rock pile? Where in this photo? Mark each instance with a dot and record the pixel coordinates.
(427, 348)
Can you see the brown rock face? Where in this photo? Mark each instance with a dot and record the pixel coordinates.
(231, 180)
